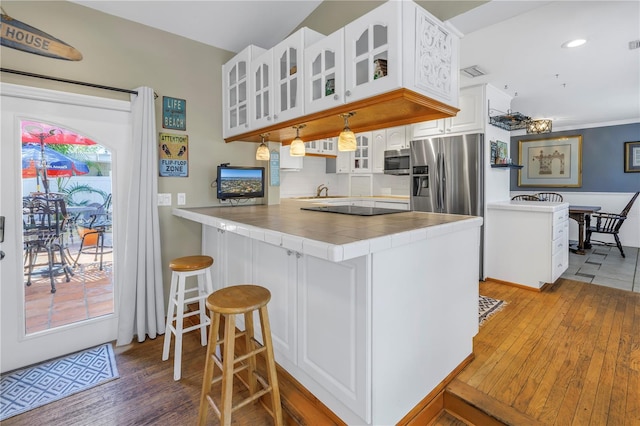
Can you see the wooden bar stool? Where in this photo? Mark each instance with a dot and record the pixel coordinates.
(228, 302)
(182, 268)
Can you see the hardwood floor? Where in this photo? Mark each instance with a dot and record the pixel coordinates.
(569, 355)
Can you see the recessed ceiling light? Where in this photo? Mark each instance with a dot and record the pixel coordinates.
(574, 43)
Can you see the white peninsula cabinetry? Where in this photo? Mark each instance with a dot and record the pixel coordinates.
(527, 242)
(338, 307)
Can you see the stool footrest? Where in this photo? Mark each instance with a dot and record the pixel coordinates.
(188, 329)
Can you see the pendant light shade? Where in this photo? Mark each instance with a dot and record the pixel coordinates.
(262, 154)
(539, 126)
(297, 145)
(347, 139)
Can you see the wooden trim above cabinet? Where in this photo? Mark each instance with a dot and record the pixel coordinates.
(396, 108)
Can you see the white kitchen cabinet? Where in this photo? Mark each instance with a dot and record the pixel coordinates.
(528, 242)
(471, 117)
(361, 158)
(379, 145)
(343, 162)
(262, 90)
(397, 138)
(289, 162)
(235, 94)
(326, 147)
(373, 52)
(288, 64)
(324, 78)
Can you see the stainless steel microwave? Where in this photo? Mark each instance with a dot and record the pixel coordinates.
(396, 162)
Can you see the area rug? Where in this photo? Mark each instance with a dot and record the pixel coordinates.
(488, 306)
(32, 387)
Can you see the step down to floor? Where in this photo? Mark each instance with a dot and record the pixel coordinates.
(477, 408)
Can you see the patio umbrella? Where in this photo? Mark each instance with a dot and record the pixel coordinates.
(43, 161)
(44, 134)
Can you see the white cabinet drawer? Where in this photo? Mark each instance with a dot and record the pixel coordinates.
(561, 216)
(559, 244)
(559, 264)
(560, 229)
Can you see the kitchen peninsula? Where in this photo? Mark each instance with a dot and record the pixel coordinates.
(370, 313)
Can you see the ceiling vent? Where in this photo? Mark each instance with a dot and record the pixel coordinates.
(635, 44)
(472, 71)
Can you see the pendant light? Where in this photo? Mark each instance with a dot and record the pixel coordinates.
(297, 145)
(347, 139)
(262, 154)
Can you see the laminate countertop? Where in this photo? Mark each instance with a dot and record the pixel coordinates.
(330, 236)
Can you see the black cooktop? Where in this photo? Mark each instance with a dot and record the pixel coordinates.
(353, 210)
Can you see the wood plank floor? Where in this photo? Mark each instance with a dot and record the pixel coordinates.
(568, 356)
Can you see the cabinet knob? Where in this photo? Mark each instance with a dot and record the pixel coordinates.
(347, 93)
(268, 118)
(275, 116)
(336, 97)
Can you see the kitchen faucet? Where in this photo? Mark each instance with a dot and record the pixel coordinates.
(321, 188)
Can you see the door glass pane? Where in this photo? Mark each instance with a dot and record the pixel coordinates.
(293, 61)
(242, 92)
(329, 59)
(284, 67)
(232, 76)
(265, 98)
(233, 99)
(265, 77)
(258, 105)
(258, 79)
(242, 115)
(67, 227)
(316, 89)
(316, 66)
(294, 93)
(379, 36)
(233, 118)
(362, 44)
(283, 97)
(362, 72)
(242, 70)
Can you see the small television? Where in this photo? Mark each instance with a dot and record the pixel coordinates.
(240, 182)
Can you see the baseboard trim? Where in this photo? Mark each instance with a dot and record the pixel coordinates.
(432, 404)
(522, 286)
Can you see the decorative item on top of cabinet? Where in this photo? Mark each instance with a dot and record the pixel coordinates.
(235, 84)
(469, 119)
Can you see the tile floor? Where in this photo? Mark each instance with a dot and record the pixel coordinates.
(603, 265)
(88, 294)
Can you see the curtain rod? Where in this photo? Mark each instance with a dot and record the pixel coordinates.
(81, 83)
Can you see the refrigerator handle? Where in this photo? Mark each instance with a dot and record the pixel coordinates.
(438, 183)
(443, 184)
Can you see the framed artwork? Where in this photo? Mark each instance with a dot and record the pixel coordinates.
(553, 162)
(632, 157)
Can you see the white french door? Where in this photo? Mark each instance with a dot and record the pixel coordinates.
(108, 122)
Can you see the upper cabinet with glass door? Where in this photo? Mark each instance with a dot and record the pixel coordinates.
(324, 63)
(373, 48)
(262, 88)
(235, 94)
(288, 62)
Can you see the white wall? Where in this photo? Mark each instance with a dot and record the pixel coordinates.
(304, 182)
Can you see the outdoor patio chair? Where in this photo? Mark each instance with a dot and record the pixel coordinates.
(609, 223)
(92, 228)
(44, 225)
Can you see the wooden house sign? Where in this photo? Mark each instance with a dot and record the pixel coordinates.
(18, 35)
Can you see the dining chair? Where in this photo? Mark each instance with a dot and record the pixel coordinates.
(609, 223)
(524, 197)
(550, 196)
(44, 225)
(92, 228)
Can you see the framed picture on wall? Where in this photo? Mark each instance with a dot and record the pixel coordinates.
(632, 157)
(552, 162)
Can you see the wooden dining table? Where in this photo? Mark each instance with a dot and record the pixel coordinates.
(582, 215)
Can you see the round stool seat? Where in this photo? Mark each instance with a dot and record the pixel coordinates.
(238, 299)
(190, 263)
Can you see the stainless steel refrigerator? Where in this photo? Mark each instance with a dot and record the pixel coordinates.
(447, 176)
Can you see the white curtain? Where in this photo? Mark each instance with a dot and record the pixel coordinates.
(142, 295)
